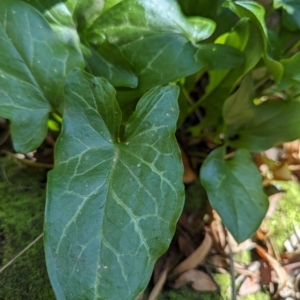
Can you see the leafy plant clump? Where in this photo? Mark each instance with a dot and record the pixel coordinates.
(120, 74)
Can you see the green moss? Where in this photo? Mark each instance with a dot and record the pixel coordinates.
(281, 223)
(22, 194)
(224, 282)
(243, 257)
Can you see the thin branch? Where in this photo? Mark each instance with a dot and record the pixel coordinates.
(23, 251)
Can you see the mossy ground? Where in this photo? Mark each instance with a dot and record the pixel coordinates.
(224, 283)
(287, 215)
(22, 201)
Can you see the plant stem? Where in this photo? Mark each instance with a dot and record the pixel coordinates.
(233, 287)
(23, 251)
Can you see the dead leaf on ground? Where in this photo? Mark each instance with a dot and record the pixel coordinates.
(159, 285)
(195, 258)
(235, 247)
(273, 203)
(249, 286)
(189, 175)
(185, 246)
(200, 281)
(276, 266)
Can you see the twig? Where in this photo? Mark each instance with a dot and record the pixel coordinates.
(29, 162)
(233, 287)
(23, 251)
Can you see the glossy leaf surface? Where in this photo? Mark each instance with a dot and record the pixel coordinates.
(152, 35)
(245, 37)
(256, 12)
(259, 127)
(113, 202)
(69, 20)
(290, 13)
(235, 191)
(33, 68)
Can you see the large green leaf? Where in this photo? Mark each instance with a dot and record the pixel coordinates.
(255, 12)
(245, 37)
(212, 9)
(290, 13)
(112, 201)
(69, 20)
(77, 14)
(33, 67)
(259, 127)
(291, 76)
(132, 19)
(154, 35)
(235, 191)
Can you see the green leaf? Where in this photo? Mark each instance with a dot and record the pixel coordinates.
(82, 12)
(108, 62)
(235, 191)
(175, 50)
(259, 127)
(112, 202)
(154, 35)
(42, 5)
(69, 20)
(245, 37)
(291, 70)
(33, 68)
(211, 9)
(132, 19)
(290, 13)
(256, 12)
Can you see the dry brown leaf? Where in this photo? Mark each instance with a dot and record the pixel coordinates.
(218, 261)
(200, 281)
(159, 266)
(280, 271)
(274, 201)
(292, 152)
(195, 258)
(189, 175)
(235, 247)
(214, 227)
(249, 286)
(282, 172)
(171, 259)
(185, 246)
(159, 285)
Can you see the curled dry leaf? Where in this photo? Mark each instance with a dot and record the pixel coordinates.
(189, 175)
(292, 152)
(249, 286)
(235, 247)
(159, 285)
(200, 281)
(195, 258)
(217, 261)
(274, 201)
(185, 247)
(280, 271)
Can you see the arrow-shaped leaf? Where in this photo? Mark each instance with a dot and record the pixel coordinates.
(33, 67)
(154, 35)
(235, 191)
(112, 202)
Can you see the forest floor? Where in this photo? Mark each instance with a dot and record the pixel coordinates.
(264, 267)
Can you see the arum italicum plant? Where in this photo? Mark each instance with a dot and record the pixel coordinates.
(118, 72)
